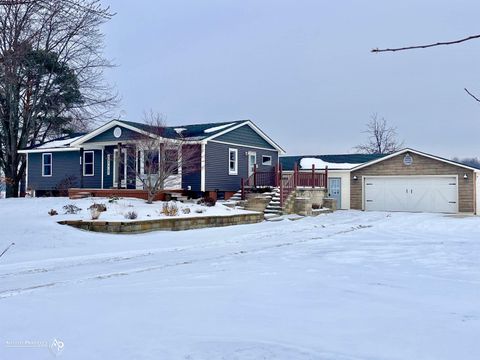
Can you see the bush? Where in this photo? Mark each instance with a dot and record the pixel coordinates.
(113, 199)
(186, 210)
(99, 207)
(71, 209)
(315, 206)
(94, 213)
(131, 215)
(208, 201)
(170, 209)
(52, 212)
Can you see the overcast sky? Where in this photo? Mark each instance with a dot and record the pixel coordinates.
(302, 70)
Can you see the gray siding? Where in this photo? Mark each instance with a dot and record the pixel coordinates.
(107, 135)
(216, 166)
(244, 135)
(65, 164)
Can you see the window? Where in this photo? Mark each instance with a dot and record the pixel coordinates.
(47, 164)
(88, 163)
(266, 160)
(150, 162)
(232, 161)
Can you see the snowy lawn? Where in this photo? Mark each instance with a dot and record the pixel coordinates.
(349, 285)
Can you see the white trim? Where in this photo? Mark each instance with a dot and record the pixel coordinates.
(233, 172)
(93, 163)
(43, 164)
(103, 162)
(26, 173)
(254, 128)
(115, 166)
(363, 178)
(47, 150)
(202, 167)
(414, 152)
(106, 127)
(242, 145)
(269, 162)
(250, 153)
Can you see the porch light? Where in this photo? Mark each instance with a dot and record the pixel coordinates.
(355, 177)
(465, 176)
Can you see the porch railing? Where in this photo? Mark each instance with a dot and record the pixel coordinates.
(287, 182)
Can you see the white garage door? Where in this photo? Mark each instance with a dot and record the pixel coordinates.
(427, 194)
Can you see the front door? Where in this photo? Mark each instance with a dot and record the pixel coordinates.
(252, 161)
(122, 167)
(335, 190)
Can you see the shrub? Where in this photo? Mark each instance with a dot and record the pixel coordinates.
(132, 215)
(94, 213)
(52, 212)
(200, 211)
(71, 209)
(208, 201)
(170, 209)
(99, 207)
(315, 206)
(186, 210)
(113, 199)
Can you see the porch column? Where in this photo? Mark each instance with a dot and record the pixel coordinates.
(119, 166)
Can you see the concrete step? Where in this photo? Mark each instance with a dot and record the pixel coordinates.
(269, 211)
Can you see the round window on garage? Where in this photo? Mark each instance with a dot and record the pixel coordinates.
(408, 160)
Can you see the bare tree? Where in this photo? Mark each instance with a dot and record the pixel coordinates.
(161, 156)
(426, 46)
(51, 74)
(382, 138)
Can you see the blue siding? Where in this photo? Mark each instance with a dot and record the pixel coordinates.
(107, 135)
(244, 135)
(108, 179)
(192, 177)
(65, 164)
(94, 182)
(216, 166)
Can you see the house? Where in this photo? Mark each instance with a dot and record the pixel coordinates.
(407, 180)
(339, 166)
(225, 153)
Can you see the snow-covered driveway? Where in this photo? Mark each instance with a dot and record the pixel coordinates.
(350, 285)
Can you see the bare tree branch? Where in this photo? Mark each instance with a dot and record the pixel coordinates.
(468, 38)
(473, 96)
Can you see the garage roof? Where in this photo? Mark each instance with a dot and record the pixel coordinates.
(413, 151)
(288, 162)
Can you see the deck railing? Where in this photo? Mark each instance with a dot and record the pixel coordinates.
(287, 182)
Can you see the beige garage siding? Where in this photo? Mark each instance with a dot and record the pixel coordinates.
(421, 166)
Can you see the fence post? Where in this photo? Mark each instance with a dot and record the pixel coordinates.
(242, 186)
(313, 176)
(295, 175)
(281, 189)
(255, 175)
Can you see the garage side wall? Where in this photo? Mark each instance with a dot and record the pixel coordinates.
(421, 166)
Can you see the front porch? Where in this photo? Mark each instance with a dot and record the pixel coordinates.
(286, 182)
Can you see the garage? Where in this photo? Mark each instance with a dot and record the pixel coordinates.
(414, 194)
(414, 181)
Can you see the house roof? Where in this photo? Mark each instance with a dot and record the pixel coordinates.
(191, 132)
(413, 151)
(60, 142)
(334, 161)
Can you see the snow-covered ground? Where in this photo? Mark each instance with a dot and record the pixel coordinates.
(118, 209)
(344, 286)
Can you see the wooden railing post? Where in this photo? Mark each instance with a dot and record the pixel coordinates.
(255, 175)
(313, 176)
(279, 175)
(242, 186)
(281, 189)
(295, 175)
(326, 178)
